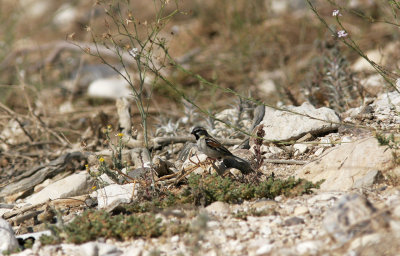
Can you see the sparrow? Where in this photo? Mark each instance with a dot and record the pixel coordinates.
(210, 146)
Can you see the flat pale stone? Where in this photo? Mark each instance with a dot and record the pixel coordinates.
(115, 194)
(218, 208)
(284, 125)
(342, 165)
(8, 242)
(302, 148)
(109, 88)
(73, 185)
(300, 210)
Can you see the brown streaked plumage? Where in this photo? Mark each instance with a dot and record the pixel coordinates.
(208, 145)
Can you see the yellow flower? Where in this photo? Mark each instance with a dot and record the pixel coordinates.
(109, 126)
(94, 187)
(101, 159)
(120, 135)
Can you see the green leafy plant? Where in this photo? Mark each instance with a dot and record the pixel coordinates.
(386, 140)
(114, 171)
(204, 191)
(216, 188)
(94, 224)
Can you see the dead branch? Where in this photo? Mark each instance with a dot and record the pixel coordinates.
(29, 179)
(11, 214)
(26, 216)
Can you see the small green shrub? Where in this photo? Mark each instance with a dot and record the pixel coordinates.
(386, 140)
(204, 191)
(93, 224)
(217, 188)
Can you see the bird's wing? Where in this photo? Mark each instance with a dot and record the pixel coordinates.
(213, 143)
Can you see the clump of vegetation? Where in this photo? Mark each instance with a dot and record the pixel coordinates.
(331, 81)
(387, 140)
(116, 157)
(391, 141)
(225, 189)
(94, 224)
(114, 168)
(204, 191)
(162, 201)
